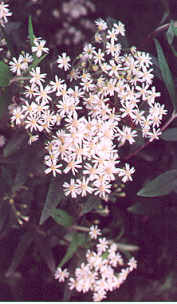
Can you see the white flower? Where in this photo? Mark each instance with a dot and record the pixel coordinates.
(61, 275)
(17, 65)
(71, 188)
(63, 61)
(126, 173)
(39, 48)
(37, 77)
(94, 232)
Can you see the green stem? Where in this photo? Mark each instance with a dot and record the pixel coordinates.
(80, 228)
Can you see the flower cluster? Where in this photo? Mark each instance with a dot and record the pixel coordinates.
(103, 271)
(110, 103)
(4, 13)
(76, 22)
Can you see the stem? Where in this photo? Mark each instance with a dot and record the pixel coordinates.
(16, 79)
(173, 116)
(80, 228)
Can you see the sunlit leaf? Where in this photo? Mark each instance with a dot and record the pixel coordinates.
(161, 185)
(166, 74)
(170, 134)
(61, 217)
(78, 239)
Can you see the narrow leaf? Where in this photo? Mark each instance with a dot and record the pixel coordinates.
(169, 134)
(78, 240)
(54, 196)
(170, 33)
(36, 62)
(61, 217)
(166, 74)
(30, 31)
(5, 74)
(161, 185)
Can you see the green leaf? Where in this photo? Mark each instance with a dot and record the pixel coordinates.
(170, 33)
(30, 31)
(54, 196)
(166, 74)
(78, 239)
(36, 62)
(161, 185)
(169, 134)
(23, 245)
(61, 217)
(5, 74)
(173, 50)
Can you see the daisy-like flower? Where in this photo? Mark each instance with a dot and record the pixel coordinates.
(71, 189)
(83, 186)
(102, 245)
(17, 65)
(89, 50)
(32, 138)
(132, 264)
(101, 24)
(39, 47)
(61, 275)
(17, 115)
(30, 91)
(127, 134)
(37, 77)
(119, 28)
(126, 174)
(63, 61)
(4, 13)
(52, 167)
(94, 232)
(43, 94)
(56, 85)
(98, 56)
(27, 58)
